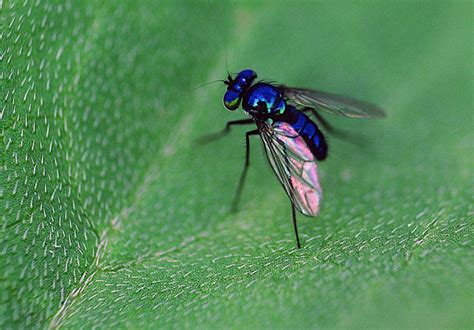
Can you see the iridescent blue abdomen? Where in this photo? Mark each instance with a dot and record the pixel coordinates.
(308, 130)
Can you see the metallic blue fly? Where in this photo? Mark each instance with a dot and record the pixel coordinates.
(293, 143)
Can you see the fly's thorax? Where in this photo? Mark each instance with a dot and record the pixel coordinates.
(263, 100)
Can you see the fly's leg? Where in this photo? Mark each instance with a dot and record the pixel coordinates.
(341, 134)
(293, 212)
(295, 227)
(215, 136)
(240, 186)
(327, 126)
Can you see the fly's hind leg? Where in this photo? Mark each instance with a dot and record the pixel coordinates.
(336, 132)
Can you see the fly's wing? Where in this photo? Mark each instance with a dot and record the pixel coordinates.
(336, 104)
(294, 165)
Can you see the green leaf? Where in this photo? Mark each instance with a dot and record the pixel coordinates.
(113, 214)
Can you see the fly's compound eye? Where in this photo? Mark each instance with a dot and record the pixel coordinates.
(231, 100)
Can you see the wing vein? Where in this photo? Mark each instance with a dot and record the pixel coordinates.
(292, 169)
(332, 103)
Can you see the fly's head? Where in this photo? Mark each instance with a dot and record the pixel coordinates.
(236, 88)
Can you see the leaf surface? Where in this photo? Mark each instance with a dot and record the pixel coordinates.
(114, 215)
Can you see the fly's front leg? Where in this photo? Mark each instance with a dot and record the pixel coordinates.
(215, 136)
(240, 186)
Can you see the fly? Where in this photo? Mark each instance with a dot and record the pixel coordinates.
(293, 143)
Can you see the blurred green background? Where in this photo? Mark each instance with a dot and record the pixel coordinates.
(112, 215)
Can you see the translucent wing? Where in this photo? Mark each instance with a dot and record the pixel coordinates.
(337, 104)
(294, 165)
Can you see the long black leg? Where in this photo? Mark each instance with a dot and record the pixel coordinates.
(240, 186)
(351, 137)
(225, 131)
(293, 214)
(327, 126)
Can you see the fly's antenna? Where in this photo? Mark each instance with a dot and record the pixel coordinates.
(226, 63)
(229, 77)
(208, 83)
